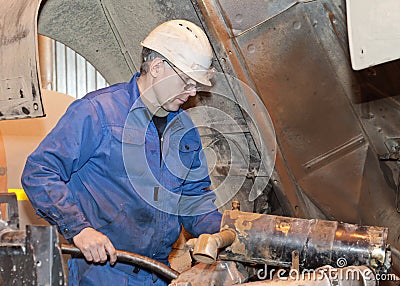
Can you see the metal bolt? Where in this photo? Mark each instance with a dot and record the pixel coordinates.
(296, 25)
(236, 205)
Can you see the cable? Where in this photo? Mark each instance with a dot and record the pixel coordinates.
(132, 258)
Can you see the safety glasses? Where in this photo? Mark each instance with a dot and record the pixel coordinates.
(188, 86)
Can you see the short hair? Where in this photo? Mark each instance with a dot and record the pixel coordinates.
(147, 56)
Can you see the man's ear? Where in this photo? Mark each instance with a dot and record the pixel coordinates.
(156, 67)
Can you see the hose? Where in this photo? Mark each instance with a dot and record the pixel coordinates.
(132, 258)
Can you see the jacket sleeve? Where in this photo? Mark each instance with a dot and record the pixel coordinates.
(199, 213)
(48, 169)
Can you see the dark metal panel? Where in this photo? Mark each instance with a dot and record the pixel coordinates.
(10, 200)
(380, 109)
(255, 12)
(43, 245)
(331, 122)
(377, 203)
(292, 59)
(233, 66)
(36, 261)
(16, 268)
(311, 115)
(315, 124)
(19, 84)
(336, 187)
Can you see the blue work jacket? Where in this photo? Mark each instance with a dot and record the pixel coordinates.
(100, 167)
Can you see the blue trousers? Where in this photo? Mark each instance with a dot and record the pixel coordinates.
(82, 273)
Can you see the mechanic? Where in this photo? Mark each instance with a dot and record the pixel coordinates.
(124, 168)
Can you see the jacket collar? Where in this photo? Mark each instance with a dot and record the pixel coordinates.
(143, 114)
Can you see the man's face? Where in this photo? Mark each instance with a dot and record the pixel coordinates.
(174, 88)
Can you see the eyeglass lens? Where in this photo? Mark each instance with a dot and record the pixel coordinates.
(188, 86)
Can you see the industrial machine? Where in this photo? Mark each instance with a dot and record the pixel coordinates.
(301, 121)
(31, 256)
(289, 250)
(249, 247)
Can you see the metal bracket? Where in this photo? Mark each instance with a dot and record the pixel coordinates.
(295, 260)
(12, 217)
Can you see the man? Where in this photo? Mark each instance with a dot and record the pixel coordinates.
(123, 168)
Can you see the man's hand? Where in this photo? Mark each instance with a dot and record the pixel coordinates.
(95, 246)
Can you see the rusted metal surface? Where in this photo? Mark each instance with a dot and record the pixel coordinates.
(236, 205)
(9, 201)
(207, 245)
(45, 46)
(316, 110)
(30, 257)
(180, 258)
(330, 121)
(271, 240)
(244, 17)
(19, 85)
(221, 273)
(229, 56)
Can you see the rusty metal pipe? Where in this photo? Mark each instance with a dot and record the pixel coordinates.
(45, 46)
(269, 239)
(207, 245)
(134, 259)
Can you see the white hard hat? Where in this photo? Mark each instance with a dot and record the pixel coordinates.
(186, 46)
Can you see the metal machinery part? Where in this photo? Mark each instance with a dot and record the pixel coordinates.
(278, 241)
(220, 273)
(206, 247)
(31, 256)
(19, 84)
(292, 251)
(34, 256)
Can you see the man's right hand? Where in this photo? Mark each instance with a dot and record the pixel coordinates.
(95, 246)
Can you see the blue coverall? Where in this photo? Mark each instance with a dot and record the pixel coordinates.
(100, 167)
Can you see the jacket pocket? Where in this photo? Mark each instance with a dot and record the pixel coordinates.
(188, 145)
(181, 157)
(122, 145)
